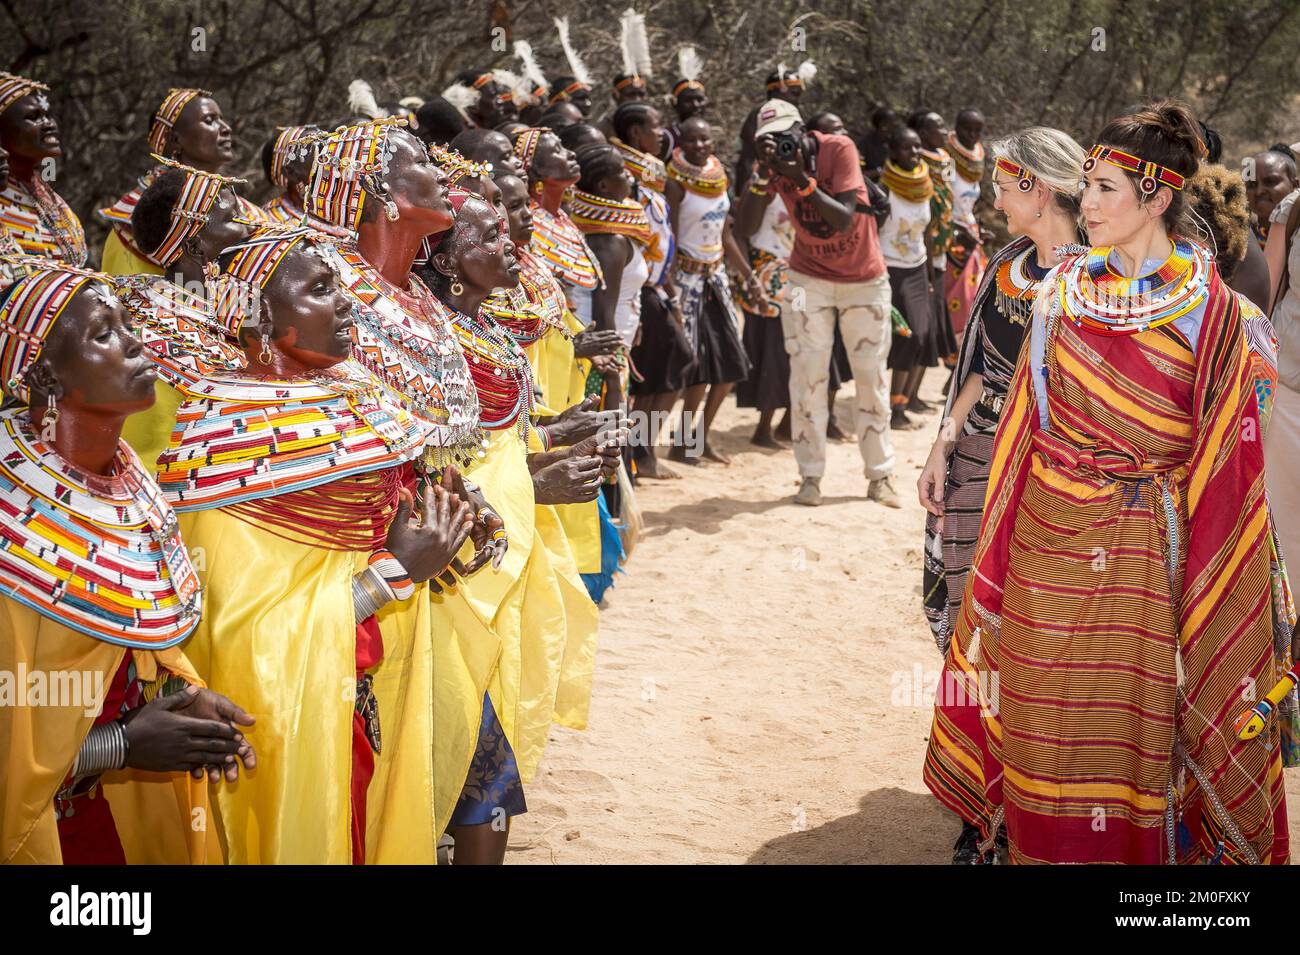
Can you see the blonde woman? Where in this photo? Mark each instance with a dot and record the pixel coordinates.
(1036, 181)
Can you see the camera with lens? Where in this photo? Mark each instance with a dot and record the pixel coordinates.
(787, 146)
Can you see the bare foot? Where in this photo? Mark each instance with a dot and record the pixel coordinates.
(919, 406)
(713, 454)
(678, 453)
(655, 470)
(782, 432)
(765, 440)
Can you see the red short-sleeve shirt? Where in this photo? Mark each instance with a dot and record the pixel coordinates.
(819, 250)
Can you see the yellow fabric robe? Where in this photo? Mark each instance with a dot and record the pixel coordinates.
(561, 380)
(149, 431)
(160, 817)
(278, 635)
(120, 259)
(521, 601)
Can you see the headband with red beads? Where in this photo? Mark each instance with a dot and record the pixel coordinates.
(1152, 175)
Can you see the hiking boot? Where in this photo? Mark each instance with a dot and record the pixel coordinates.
(882, 491)
(810, 492)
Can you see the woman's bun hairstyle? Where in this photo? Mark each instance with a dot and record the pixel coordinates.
(1166, 133)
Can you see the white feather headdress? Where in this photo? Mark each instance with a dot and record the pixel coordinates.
(462, 97)
(807, 70)
(635, 45)
(524, 50)
(689, 63)
(361, 100)
(575, 62)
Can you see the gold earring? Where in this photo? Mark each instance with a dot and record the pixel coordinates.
(265, 356)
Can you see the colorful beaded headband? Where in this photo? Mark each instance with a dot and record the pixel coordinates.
(165, 118)
(627, 81)
(567, 92)
(190, 214)
(1024, 178)
(13, 88)
(790, 79)
(283, 152)
(482, 80)
(1152, 175)
(244, 269)
(345, 158)
(526, 144)
(456, 166)
(684, 85)
(34, 303)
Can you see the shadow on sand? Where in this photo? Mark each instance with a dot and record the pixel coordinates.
(891, 827)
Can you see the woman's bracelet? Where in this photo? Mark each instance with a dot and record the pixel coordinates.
(104, 748)
(382, 582)
(807, 190)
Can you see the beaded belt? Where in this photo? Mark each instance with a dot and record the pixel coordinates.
(692, 266)
(993, 401)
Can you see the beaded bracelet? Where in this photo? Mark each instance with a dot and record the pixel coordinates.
(807, 190)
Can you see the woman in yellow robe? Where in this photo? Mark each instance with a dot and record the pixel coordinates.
(293, 477)
(535, 614)
(184, 218)
(376, 181)
(32, 214)
(99, 591)
(187, 128)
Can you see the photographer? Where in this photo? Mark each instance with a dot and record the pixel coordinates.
(837, 273)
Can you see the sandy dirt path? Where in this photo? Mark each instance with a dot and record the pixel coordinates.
(760, 689)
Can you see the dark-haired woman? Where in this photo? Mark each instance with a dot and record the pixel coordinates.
(377, 180)
(31, 213)
(297, 467)
(698, 200)
(532, 608)
(663, 355)
(187, 128)
(619, 234)
(1122, 589)
(907, 179)
(939, 235)
(183, 220)
(97, 592)
(548, 336)
(579, 136)
(286, 160)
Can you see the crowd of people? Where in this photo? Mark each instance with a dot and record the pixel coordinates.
(326, 493)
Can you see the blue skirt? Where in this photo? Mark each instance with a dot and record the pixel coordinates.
(493, 788)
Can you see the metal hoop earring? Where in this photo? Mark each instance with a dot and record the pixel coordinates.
(456, 287)
(265, 355)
